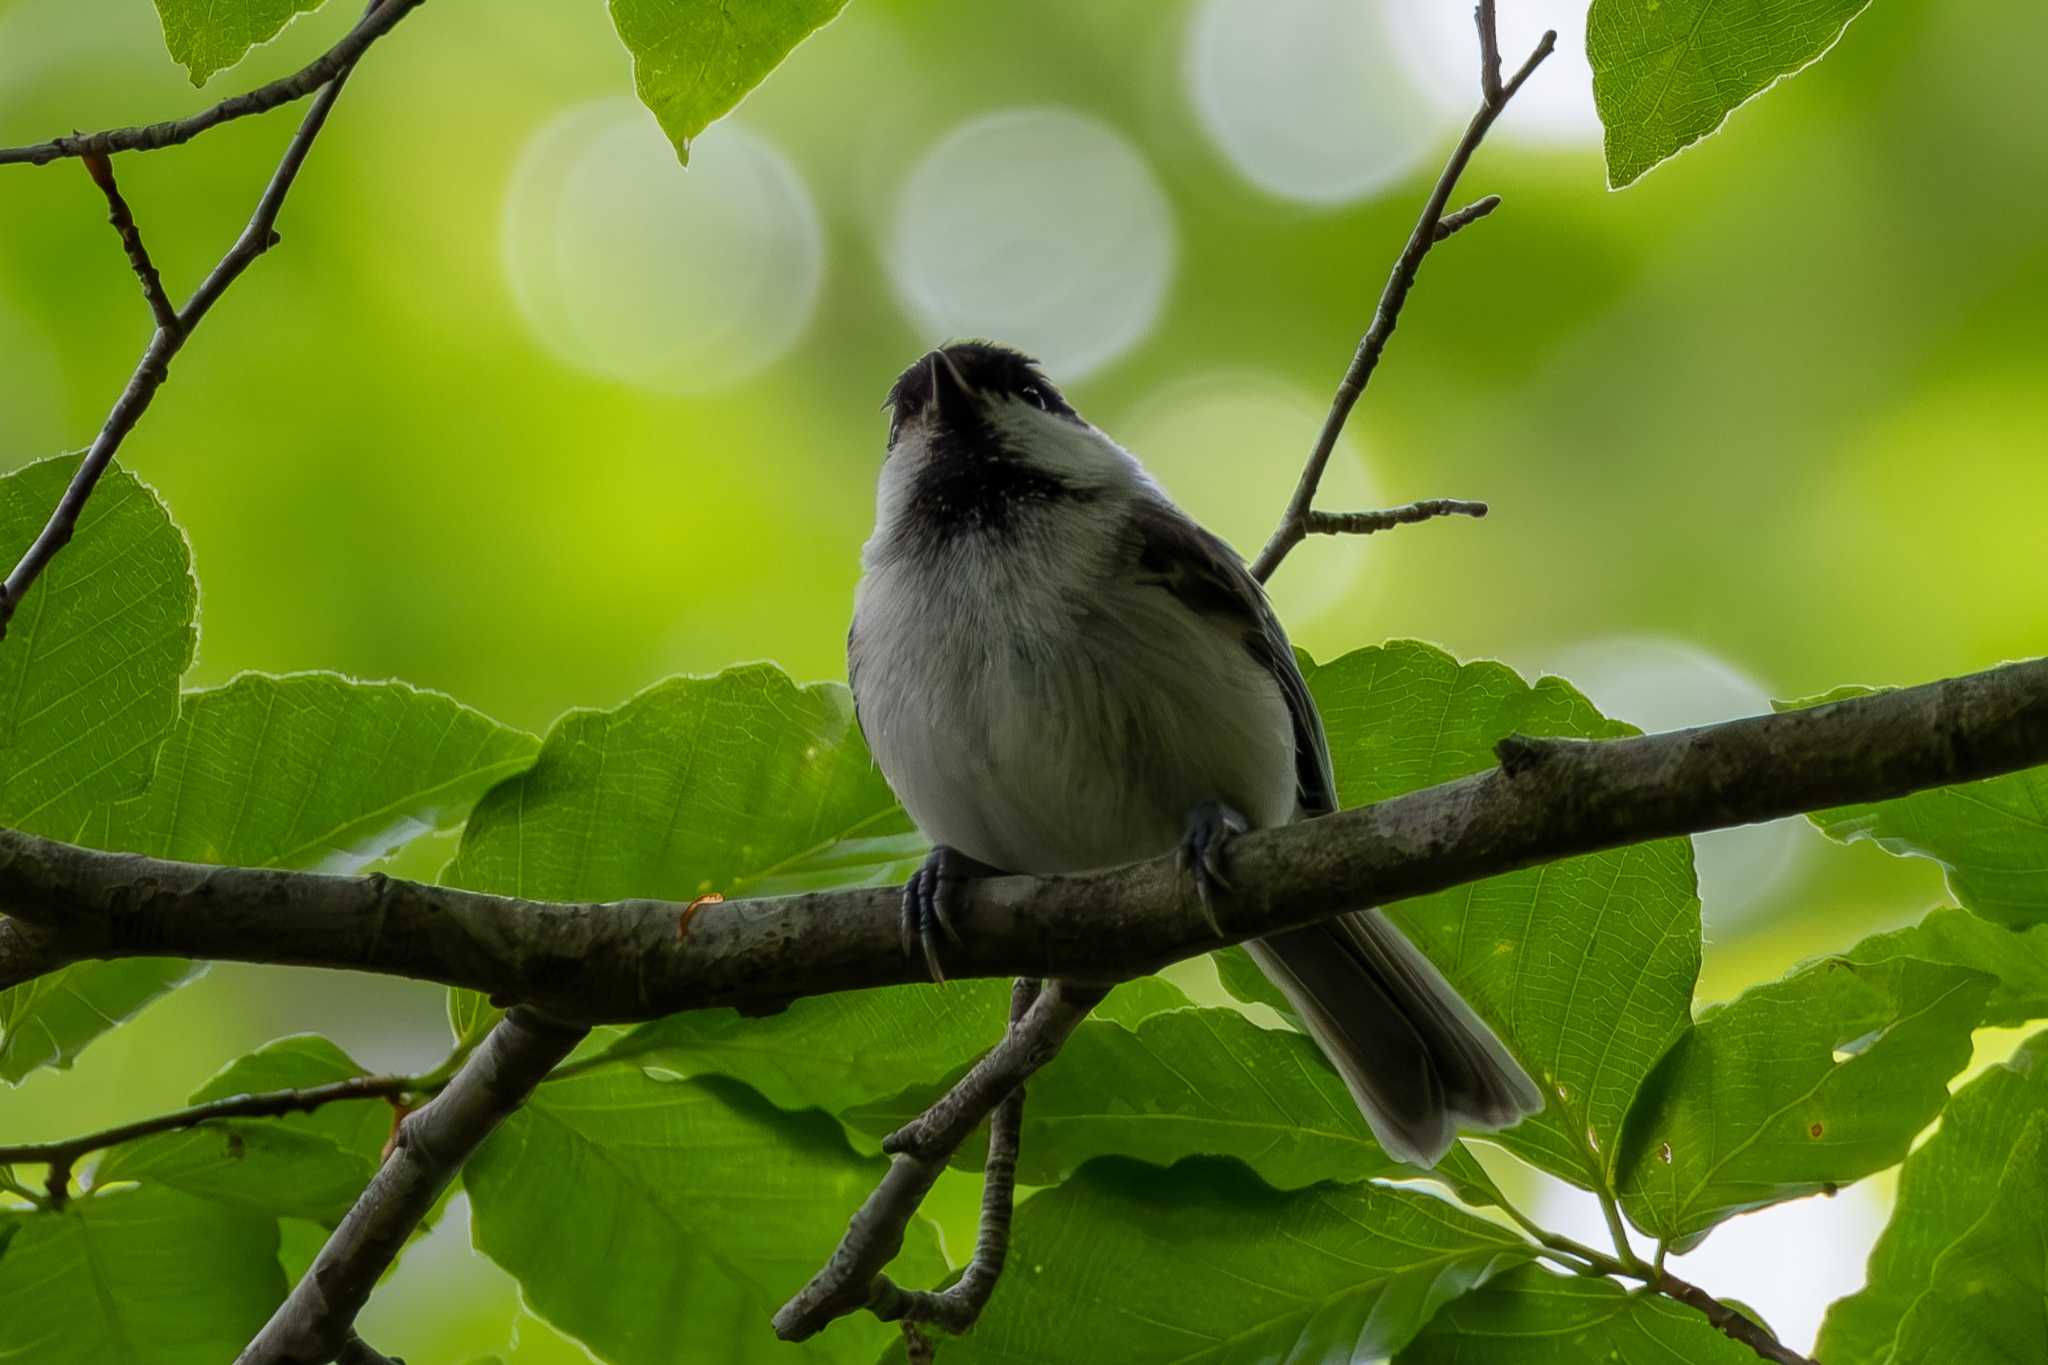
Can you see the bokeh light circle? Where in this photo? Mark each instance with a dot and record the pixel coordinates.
(1441, 50)
(1305, 97)
(1226, 446)
(628, 266)
(1042, 228)
(1663, 684)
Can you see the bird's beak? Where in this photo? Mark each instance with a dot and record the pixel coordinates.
(952, 399)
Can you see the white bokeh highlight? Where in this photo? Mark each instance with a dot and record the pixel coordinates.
(628, 266)
(1440, 47)
(1305, 98)
(1663, 684)
(1217, 443)
(1038, 227)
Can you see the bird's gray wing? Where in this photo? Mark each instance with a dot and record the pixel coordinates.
(1207, 576)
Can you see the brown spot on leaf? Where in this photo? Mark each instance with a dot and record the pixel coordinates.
(1815, 1131)
(1664, 1153)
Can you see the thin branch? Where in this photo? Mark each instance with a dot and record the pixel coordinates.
(1294, 522)
(256, 238)
(621, 961)
(1458, 219)
(161, 308)
(317, 1321)
(1365, 523)
(1489, 54)
(61, 1155)
(1729, 1321)
(852, 1279)
(356, 1351)
(323, 69)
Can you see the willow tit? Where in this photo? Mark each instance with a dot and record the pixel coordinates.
(1058, 670)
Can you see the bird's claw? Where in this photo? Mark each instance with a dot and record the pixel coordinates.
(929, 899)
(1210, 828)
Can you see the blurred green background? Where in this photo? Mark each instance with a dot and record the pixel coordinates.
(522, 411)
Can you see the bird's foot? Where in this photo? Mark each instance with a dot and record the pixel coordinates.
(1210, 828)
(930, 898)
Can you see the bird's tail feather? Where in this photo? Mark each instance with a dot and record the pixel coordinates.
(1417, 1059)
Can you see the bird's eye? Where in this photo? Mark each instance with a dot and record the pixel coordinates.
(1035, 396)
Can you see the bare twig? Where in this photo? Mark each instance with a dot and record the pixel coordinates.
(1730, 1322)
(316, 1322)
(61, 1155)
(1453, 221)
(1294, 522)
(1365, 523)
(256, 238)
(621, 961)
(378, 21)
(356, 1351)
(852, 1279)
(160, 307)
(1489, 53)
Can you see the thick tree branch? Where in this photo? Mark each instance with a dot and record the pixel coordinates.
(61, 1155)
(315, 1323)
(256, 238)
(1431, 228)
(852, 1279)
(622, 961)
(328, 66)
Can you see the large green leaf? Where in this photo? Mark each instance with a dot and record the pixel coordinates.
(137, 1277)
(1531, 1316)
(742, 784)
(693, 60)
(1989, 1297)
(89, 670)
(312, 770)
(205, 36)
(304, 1165)
(308, 770)
(1795, 1088)
(1205, 1265)
(1990, 836)
(661, 1223)
(1586, 967)
(1948, 1188)
(1666, 73)
(2017, 958)
(1194, 1082)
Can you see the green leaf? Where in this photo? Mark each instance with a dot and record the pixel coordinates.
(471, 1015)
(743, 784)
(205, 36)
(312, 770)
(1667, 73)
(1203, 1263)
(1532, 1316)
(308, 770)
(831, 1051)
(137, 1277)
(1195, 1082)
(1136, 1000)
(1586, 967)
(91, 662)
(303, 1165)
(48, 1021)
(1795, 1088)
(1243, 979)
(2018, 959)
(1989, 1296)
(90, 670)
(662, 1223)
(1948, 1187)
(1990, 836)
(693, 60)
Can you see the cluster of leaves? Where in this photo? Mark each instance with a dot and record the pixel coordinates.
(1210, 1167)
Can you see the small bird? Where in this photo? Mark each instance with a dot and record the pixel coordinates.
(1058, 670)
